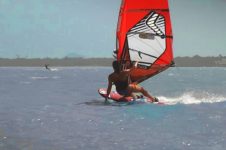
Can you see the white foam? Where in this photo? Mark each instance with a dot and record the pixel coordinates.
(25, 82)
(56, 77)
(39, 78)
(170, 74)
(54, 69)
(192, 98)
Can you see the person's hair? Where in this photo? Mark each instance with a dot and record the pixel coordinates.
(115, 65)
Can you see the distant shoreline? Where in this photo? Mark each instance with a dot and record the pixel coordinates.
(67, 62)
(195, 61)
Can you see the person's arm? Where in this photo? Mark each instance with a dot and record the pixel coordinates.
(135, 64)
(127, 71)
(108, 89)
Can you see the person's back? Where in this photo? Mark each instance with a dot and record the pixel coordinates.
(121, 82)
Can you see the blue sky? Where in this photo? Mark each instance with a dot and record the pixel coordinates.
(86, 28)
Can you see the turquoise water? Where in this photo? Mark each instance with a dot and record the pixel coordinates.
(61, 109)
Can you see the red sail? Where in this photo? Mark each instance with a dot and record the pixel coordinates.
(144, 34)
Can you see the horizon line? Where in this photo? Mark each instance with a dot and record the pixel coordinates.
(80, 57)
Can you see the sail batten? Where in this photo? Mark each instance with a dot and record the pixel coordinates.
(144, 35)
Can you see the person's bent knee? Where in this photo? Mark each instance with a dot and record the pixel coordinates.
(132, 86)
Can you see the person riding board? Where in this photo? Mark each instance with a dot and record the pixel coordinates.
(121, 81)
(47, 66)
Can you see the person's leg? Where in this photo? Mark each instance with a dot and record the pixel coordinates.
(136, 88)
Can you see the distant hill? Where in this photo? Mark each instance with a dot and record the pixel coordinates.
(73, 55)
(195, 61)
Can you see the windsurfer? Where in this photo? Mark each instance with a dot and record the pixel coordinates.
(121, 80)
(47, 66)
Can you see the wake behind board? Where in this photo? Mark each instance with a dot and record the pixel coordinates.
(119, 98)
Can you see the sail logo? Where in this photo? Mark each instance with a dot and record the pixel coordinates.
(155, 21)
(152, 21)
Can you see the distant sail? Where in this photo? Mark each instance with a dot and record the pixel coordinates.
(144, 34)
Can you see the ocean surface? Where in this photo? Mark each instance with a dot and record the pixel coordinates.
(61, 110)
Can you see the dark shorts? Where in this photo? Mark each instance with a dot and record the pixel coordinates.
(123, 92)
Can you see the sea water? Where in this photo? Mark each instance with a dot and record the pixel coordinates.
(61, 110)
